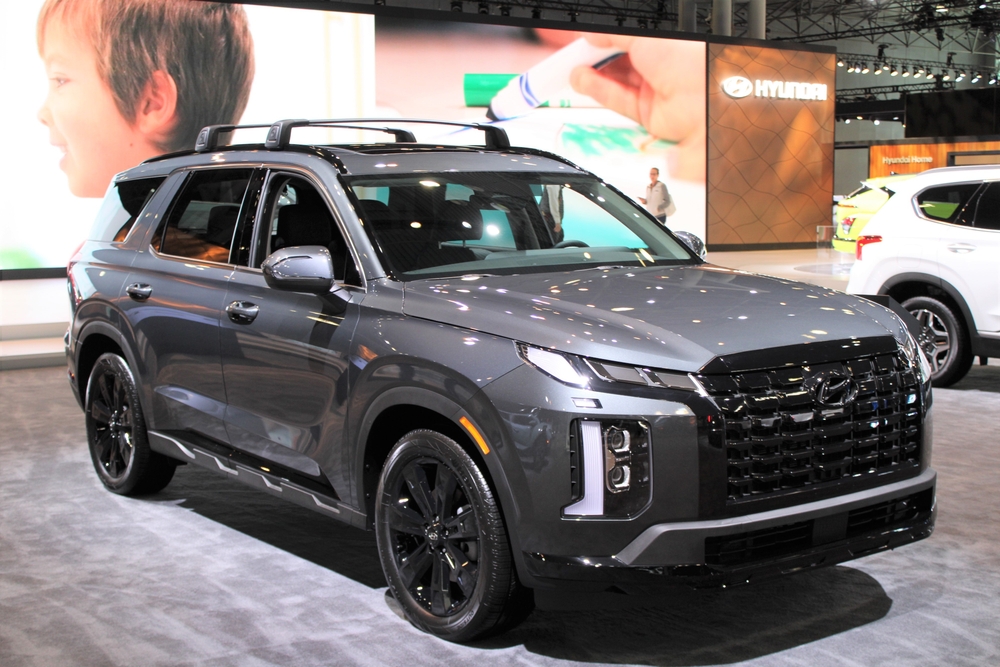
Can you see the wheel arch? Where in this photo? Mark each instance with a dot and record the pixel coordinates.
(401, 409)
(96, 339)
(906, 285)
(394, 413)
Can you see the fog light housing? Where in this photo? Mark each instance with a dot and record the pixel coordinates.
(610, 468)
(617, 440)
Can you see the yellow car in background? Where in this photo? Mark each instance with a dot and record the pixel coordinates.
(854, 210)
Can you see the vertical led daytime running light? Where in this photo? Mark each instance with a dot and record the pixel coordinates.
(592, 503)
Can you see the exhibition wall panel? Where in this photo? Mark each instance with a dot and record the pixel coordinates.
(911, 157)
(770, 146)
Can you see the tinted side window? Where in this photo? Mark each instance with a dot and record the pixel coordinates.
(204, 215)
(988, 210)
(297, 215)
(121, 208)
(946, 202)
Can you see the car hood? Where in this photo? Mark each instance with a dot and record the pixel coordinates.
(674, 318)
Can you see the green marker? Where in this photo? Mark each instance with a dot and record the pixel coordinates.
(480, 89)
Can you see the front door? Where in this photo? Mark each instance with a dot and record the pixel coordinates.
(285, 354)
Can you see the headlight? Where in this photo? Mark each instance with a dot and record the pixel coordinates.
(582, 372)
(556, 364)
(915, 357)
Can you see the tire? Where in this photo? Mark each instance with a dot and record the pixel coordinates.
(116, 432)
(442, 542)
(944, 339)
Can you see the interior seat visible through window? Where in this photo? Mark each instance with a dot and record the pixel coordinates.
(300, 217)
(203, 219)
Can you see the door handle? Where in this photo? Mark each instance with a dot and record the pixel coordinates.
(961, 248)
(139, 291)
(242, 312)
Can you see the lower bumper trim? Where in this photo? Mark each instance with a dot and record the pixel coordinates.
(732, 553)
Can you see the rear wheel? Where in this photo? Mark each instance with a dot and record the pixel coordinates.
(943, 339)
(116, 432)
(442, 541)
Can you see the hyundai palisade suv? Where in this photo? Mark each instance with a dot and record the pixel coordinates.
(500, 364)
(935, 248)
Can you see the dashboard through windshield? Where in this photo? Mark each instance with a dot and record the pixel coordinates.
(438, 224)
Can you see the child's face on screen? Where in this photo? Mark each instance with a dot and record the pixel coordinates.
(82, 117)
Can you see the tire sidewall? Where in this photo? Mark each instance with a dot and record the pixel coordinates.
(114, 364)
(956, 364)
(430, 444)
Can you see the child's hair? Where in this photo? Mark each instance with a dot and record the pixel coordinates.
(206, 47)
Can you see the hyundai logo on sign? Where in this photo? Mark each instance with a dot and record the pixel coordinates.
(737, 86)
(740, 86)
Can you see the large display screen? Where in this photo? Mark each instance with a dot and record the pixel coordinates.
(103, 84)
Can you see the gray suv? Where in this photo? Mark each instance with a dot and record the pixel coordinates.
(500, 364)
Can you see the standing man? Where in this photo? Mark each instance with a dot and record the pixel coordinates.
(657, 197)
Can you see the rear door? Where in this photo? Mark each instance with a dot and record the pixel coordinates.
(175, 295)
(968, 253)
(285, 355)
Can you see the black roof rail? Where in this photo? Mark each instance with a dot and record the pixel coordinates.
(279, 136)
(401, 136)
(208, 138)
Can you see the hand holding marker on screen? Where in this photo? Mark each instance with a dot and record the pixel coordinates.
(547, 79)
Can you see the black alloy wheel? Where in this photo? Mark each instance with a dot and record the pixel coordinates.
(943, 339)
(116, 432)
(442, 541)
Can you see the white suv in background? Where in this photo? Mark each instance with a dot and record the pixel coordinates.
(935, 248)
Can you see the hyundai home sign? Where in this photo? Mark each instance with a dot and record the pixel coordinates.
(740, 86)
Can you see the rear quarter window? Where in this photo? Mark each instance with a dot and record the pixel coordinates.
(945, 202)
(121, 207)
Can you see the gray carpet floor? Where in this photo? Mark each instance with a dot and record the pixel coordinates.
(211, 573)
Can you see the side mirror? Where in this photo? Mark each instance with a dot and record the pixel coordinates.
(307, 268)
(693, 242)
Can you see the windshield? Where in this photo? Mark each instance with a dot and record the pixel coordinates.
(440, 224)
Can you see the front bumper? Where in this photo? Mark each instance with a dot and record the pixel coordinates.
(734, 551)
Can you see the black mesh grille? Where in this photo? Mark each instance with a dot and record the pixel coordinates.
(780, 439)
(889, 513)
(758, 544)
(787, 540)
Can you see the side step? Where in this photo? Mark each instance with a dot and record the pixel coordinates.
(262, 477)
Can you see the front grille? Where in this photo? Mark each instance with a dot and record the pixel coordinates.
(779, 439)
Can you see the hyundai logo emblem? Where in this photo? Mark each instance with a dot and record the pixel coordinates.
(737, 86)
(832, 389)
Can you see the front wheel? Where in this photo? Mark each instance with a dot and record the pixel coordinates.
(943, 338)
(442, 541)
(116, 432)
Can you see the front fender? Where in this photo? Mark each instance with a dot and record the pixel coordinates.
(441, 391)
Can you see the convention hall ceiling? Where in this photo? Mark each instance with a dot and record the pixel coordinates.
(951, 43)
